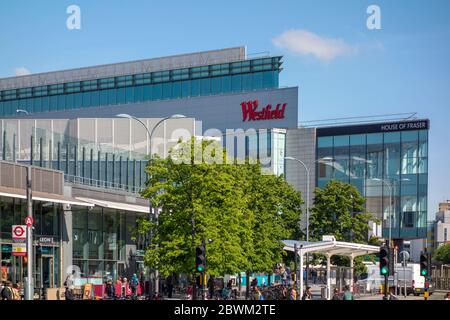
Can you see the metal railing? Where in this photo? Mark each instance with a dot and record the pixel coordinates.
(103, 184)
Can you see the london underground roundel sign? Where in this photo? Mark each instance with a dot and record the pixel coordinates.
(19, 232)
(29, 221)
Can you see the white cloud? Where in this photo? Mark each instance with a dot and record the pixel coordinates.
(21, 71)
(304, 42)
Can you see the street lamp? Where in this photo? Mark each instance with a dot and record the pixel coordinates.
(150, 134)
(308, 171)
(22, 111)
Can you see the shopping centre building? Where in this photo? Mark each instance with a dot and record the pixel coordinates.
(65, 124)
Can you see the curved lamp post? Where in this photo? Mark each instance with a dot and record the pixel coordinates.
(308, 171)
(150, 134)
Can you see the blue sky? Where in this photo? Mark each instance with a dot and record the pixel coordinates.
(404, 67)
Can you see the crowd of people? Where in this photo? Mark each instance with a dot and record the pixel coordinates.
(10, 291)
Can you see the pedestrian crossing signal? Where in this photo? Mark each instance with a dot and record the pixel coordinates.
(200, 258)
(424, 264)
(384, 260)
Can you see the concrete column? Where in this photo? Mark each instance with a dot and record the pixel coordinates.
(66, 242)
(328, 277)
(351, 272)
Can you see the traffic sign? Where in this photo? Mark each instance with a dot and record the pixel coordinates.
(19, 249)
(19, 232)
(29, 221)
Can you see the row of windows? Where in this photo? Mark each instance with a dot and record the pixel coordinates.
(248, 66)
(141, 93)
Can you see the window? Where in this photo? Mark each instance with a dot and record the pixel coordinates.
(176, 89)
(185, 88)
(167, 90)
(157, 92)
(195, 88)
(106, 83)
(124, 81)
(205, 87)
(392, 154)
(144, 78)
(236, 83)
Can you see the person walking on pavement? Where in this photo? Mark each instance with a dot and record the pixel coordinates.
(348, 295)
(69, 285)
(293, 294)
(211, 287)
(392, 296)
(307, 295)
(110, 290)
(447, 297)
(169, 281)
(7, 291)
(134, 282)
(336, 295)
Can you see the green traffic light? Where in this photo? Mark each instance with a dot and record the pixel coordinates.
(384, 270)
(199, 268)
(424, 272)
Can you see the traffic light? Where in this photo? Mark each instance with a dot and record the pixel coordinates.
(200, 258)
(424, 264)
(384, 261)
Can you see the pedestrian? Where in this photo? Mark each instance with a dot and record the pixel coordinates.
(211, 287)
(392, 296)
(124, 287)
(69, 285)
(254, 283)
(336, 295)
(15, 292)
(134, 282)
(118, 288)
(293, 294)
(447, 297)
(7, 291)
(110, 290)
(314, 275)
(348, 295)
(307, 295)
(169, 282)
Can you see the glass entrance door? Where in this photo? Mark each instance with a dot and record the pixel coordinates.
(47, 271)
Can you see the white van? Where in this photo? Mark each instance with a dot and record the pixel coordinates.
(409, 276)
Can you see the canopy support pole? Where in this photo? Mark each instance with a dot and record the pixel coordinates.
(300, 294)
(351, 272)
(328, 277)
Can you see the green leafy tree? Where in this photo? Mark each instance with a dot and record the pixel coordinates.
(276, 207)
(339, 210)
(244, 212)
(442, 254)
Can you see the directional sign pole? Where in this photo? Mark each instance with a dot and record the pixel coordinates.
(29, 293)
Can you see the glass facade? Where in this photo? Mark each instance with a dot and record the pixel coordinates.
(100, 237)
(47, 217)
(225, 78)
(265, 145)
(389, 169)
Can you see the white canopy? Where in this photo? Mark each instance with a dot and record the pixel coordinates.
(333, 248)
(329, 247)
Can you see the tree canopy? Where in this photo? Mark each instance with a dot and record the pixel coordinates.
(442, 254)
(339, 210)
(245, 212)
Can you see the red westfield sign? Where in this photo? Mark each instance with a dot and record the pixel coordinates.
(250, 113)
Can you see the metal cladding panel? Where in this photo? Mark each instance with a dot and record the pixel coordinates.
(126, 68)
(216, 112)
